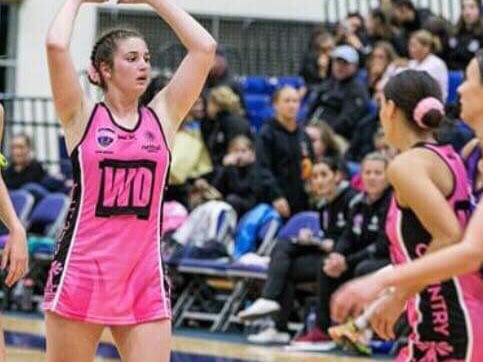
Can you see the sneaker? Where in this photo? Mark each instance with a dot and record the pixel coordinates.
(313, 335)
(348, 336)
(269, 336)
(260, 308)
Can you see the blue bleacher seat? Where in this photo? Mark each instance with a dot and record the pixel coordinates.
(454, 81)
(257, 85)
(293, 81)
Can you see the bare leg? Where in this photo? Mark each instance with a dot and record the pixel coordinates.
(147, 342)
(69, 340)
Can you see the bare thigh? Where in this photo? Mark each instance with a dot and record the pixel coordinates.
(147, 342)
(69, 340)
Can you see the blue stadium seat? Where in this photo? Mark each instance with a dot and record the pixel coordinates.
(293, 81)
(257, 85)
(455, 79)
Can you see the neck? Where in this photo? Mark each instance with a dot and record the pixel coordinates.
(412, 138)
(121, 104)
(373, 197)
(288, 123)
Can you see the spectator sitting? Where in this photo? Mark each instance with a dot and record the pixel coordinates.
(235, 179)
(351, 31)
(298, 260)
(284, 154)
(422, 47)
(316, 62)
(186, 167)
(407, 20)
(26, 172)
(379, 30)
(382, 55)
(341, 100)
(440, 28)
(224, 121)
(325, 142)
(468, 37)
(360, 250)
(220, 75)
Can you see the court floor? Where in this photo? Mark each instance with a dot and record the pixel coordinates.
(26, 342)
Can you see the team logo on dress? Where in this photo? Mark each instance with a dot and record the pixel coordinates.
(151, 145)
(149, 136)
(105, 137)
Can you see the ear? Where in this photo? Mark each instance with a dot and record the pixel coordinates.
(391, 109)
(106, 70)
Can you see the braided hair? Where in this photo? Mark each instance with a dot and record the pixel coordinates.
(103, 52)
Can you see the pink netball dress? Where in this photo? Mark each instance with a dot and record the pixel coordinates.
(107, 267)
(444, 316)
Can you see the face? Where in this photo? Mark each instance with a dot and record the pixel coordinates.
(287, 105)
(19, 151)
(373, 176)
(315, 136)
(417, 50)
(471, 94)
(342, 70)
(354, 24)
(379, 57)
(324, 181)
(402, 14)
(243, 153)
(326, 46)
(198, 110)
(132, 67)
(470, 11)
(219, 67)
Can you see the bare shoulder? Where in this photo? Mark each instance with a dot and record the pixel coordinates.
(407, 164)
(469, 147)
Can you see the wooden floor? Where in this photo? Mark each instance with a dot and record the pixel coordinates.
(191, 349)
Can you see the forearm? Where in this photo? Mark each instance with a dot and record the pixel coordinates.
(193, 36)
(60, 31)
(7, 212)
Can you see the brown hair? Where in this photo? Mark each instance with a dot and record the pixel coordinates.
(104, 49)
(278, 92)
(376, 156)
(427, 39)
(328, 138)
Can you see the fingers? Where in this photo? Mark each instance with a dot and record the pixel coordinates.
(5, 256)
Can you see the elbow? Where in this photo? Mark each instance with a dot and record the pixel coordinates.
(208, 47)
(54, 45)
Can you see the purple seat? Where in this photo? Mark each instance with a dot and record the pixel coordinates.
(49, 214)
(303, 220)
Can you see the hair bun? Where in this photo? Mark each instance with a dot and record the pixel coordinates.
(429, 113)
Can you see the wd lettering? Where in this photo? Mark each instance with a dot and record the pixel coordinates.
(126, 188)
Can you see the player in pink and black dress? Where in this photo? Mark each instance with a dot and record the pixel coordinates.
(107, 269)
(429, 211)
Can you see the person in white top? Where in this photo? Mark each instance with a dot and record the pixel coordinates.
(422, 46)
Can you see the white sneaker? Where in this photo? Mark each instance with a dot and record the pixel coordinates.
(269, 336)
(260, 308)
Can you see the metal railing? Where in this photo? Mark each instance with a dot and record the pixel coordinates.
(34, 116)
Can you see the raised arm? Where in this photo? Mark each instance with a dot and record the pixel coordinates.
(177, 98)
(68, 96)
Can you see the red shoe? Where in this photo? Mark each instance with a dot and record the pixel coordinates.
(314, 335)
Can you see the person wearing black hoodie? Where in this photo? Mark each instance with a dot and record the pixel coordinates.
(224, 121)
(284, 156)
(299, 259)
(362, 248)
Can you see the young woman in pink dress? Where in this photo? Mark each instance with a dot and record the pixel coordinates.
(107, 269)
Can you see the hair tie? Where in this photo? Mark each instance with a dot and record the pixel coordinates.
(93, 74)
(424, 106)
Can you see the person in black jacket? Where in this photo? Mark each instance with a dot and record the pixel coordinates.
(224, 122)
(361, 249)
(299, 259)
(23, 168)
(235, 179)
(468, 37)
(341, 100)
(284, 156)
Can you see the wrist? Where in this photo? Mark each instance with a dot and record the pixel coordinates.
(16, 228)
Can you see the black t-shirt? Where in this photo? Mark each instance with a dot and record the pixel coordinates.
(32, 173)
